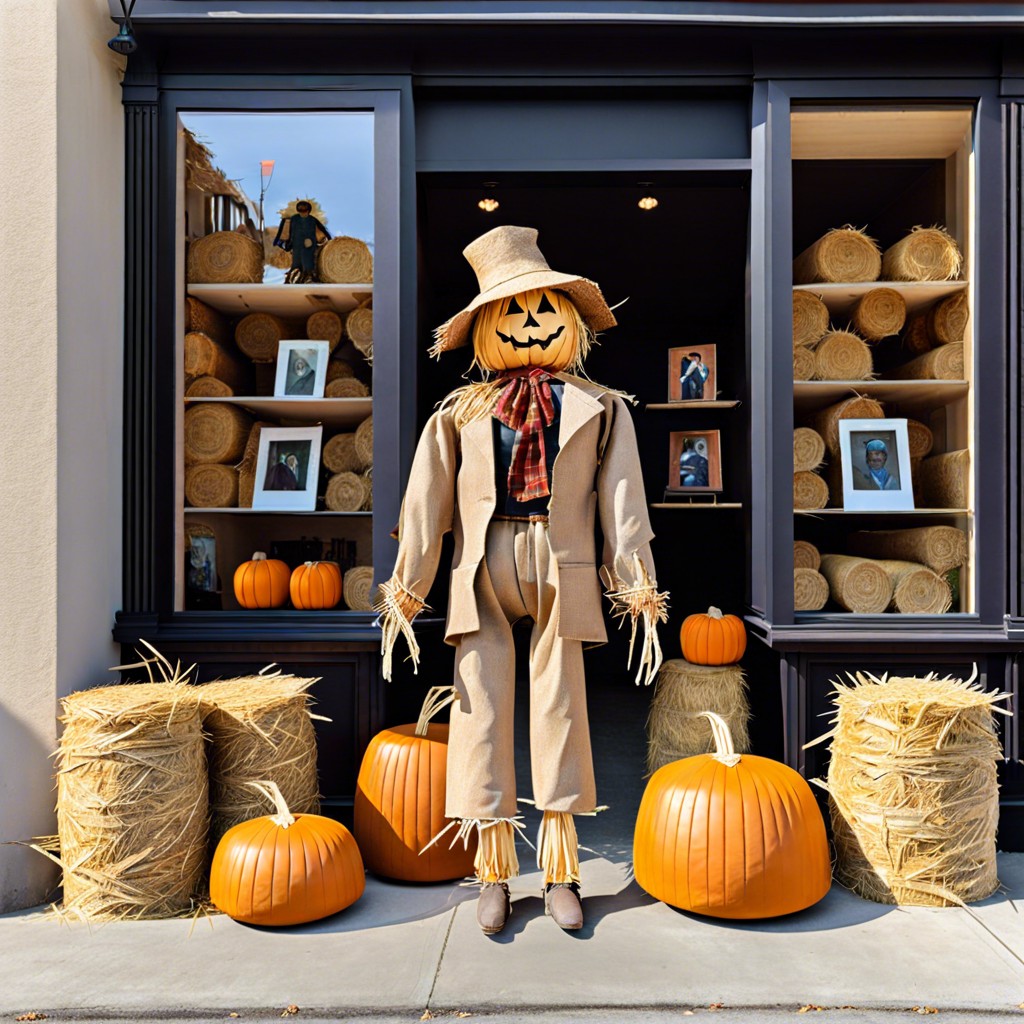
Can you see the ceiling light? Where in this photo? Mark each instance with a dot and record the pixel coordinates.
(647, 203)
(488, 205)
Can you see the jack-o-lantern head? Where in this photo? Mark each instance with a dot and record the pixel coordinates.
(540, 327)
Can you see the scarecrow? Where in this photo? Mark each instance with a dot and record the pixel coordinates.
(518, 467)
(301, 234)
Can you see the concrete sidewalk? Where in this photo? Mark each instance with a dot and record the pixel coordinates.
(405, 949)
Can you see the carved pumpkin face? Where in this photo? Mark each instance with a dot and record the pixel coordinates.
(540, 327)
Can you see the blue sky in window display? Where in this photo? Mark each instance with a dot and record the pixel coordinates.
(326, 157)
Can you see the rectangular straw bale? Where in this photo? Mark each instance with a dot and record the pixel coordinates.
(943, 363)
(945, 480)
(131, 801)
(941, 548)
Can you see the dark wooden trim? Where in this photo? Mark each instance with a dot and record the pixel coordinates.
(1013, 127)
(284, 626)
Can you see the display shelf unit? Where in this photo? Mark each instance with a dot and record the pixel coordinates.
(888, 169)
(285, 300)
(687, 506)
(696, 403)
(331, 412)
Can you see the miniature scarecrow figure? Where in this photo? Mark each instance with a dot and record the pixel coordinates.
(486, 469)
(301, 234)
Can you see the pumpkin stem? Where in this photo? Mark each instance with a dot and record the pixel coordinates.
(258, 556)
(715, 613)
(284, 818)
(725, 752)
(437, 697)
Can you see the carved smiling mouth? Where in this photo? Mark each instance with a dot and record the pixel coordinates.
(541, 343)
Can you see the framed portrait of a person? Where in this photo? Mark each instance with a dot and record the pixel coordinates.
(692, 374)
(695, 462)
(301, 369)
(875, 457)
(287, 469)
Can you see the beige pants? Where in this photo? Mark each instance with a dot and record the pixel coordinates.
(519, 580)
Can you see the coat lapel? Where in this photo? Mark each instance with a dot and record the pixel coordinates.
(478, 435)
(578, 408)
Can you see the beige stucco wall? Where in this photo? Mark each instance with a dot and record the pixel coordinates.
(61, 196)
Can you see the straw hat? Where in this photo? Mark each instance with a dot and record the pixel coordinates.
(506, 262)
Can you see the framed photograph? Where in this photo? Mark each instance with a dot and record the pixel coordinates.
(695, 461)
(287, 469)
(875, 457)
(692, 374)
(301, 369)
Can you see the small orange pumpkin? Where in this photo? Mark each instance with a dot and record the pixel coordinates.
(285, 869)
(400, 796)
(713, 639)
(731, 836)
(262, 582)
(539, 327)
(316, 585)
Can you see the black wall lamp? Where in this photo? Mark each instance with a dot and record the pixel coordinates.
(124, 42)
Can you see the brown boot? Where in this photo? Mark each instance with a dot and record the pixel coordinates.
(493, 907)
(562, 901)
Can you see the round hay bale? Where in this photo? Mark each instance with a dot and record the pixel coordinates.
(346, 387)
(943, 363)
(808, 450)
(810, 590)
(926, 254)
(913, 791)
(247, 467)
(805, 555)
(841, 355)
(675, 728)
(324, 325)
(272, 254)
(947, 320)
(132, 797)
(208, 387)
(879, 314)
(809, 491)
(810, 318)
(916, 338)
(215, 432)
(803, 363)
(920, 438)
(260, 730)
(259, 334)
(357, 587)
(941, 548)
(857, 584)
(205, 357)
(826, 421)
(364, 441)
(340, 456)
(916, 589)
(211, 485)
(345, 492)
(367, 478)
(206, 320)
(225, 257)
(345, 260)
(338, 368)
(359, 328)
(945, 480)
(841, 255)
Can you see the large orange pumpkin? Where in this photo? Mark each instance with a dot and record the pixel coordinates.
(285, 869)
(713, 639)
(262, 582)
(731, 836)
(316, 585)
(400, 796)
(540, 327)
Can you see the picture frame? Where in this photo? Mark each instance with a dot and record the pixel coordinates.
(876, 478)
(699, 365)
(301, 369)
(288, 469)
(695, 462)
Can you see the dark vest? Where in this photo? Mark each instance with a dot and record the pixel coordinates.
(504, 441)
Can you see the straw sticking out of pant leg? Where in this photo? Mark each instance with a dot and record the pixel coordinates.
(558, 848)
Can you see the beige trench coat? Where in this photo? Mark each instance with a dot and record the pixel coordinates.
(596, 475)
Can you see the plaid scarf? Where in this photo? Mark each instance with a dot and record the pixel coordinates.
(525, 406)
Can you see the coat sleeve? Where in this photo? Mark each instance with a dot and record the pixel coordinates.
(427, 515)
(628, 567)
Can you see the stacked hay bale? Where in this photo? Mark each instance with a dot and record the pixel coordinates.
(842, 355)
(944, 323)
(349, 459)
(810, 588)
(870, 586)
(809, 489)
(132, 801)
(944, 480)
(345, 260)
(675, 727)
(926, 254)
(940, 548)
(842, 255)
(880, 313)
(215, 439)
(810, 322)
(213, 366)
(913, 791)
(358, 591)
(225, 257)
(826, 423)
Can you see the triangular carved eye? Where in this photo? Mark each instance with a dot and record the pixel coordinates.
(545, 304)
(513, 307)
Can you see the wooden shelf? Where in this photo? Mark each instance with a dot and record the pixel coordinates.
(918, 295)
(331, 412)
(286, 300)
(912, 395)
(701, 506)
(189, 510)
(882, 512)
(696, 403)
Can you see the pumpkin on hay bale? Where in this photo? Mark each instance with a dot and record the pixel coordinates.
(711, 638)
